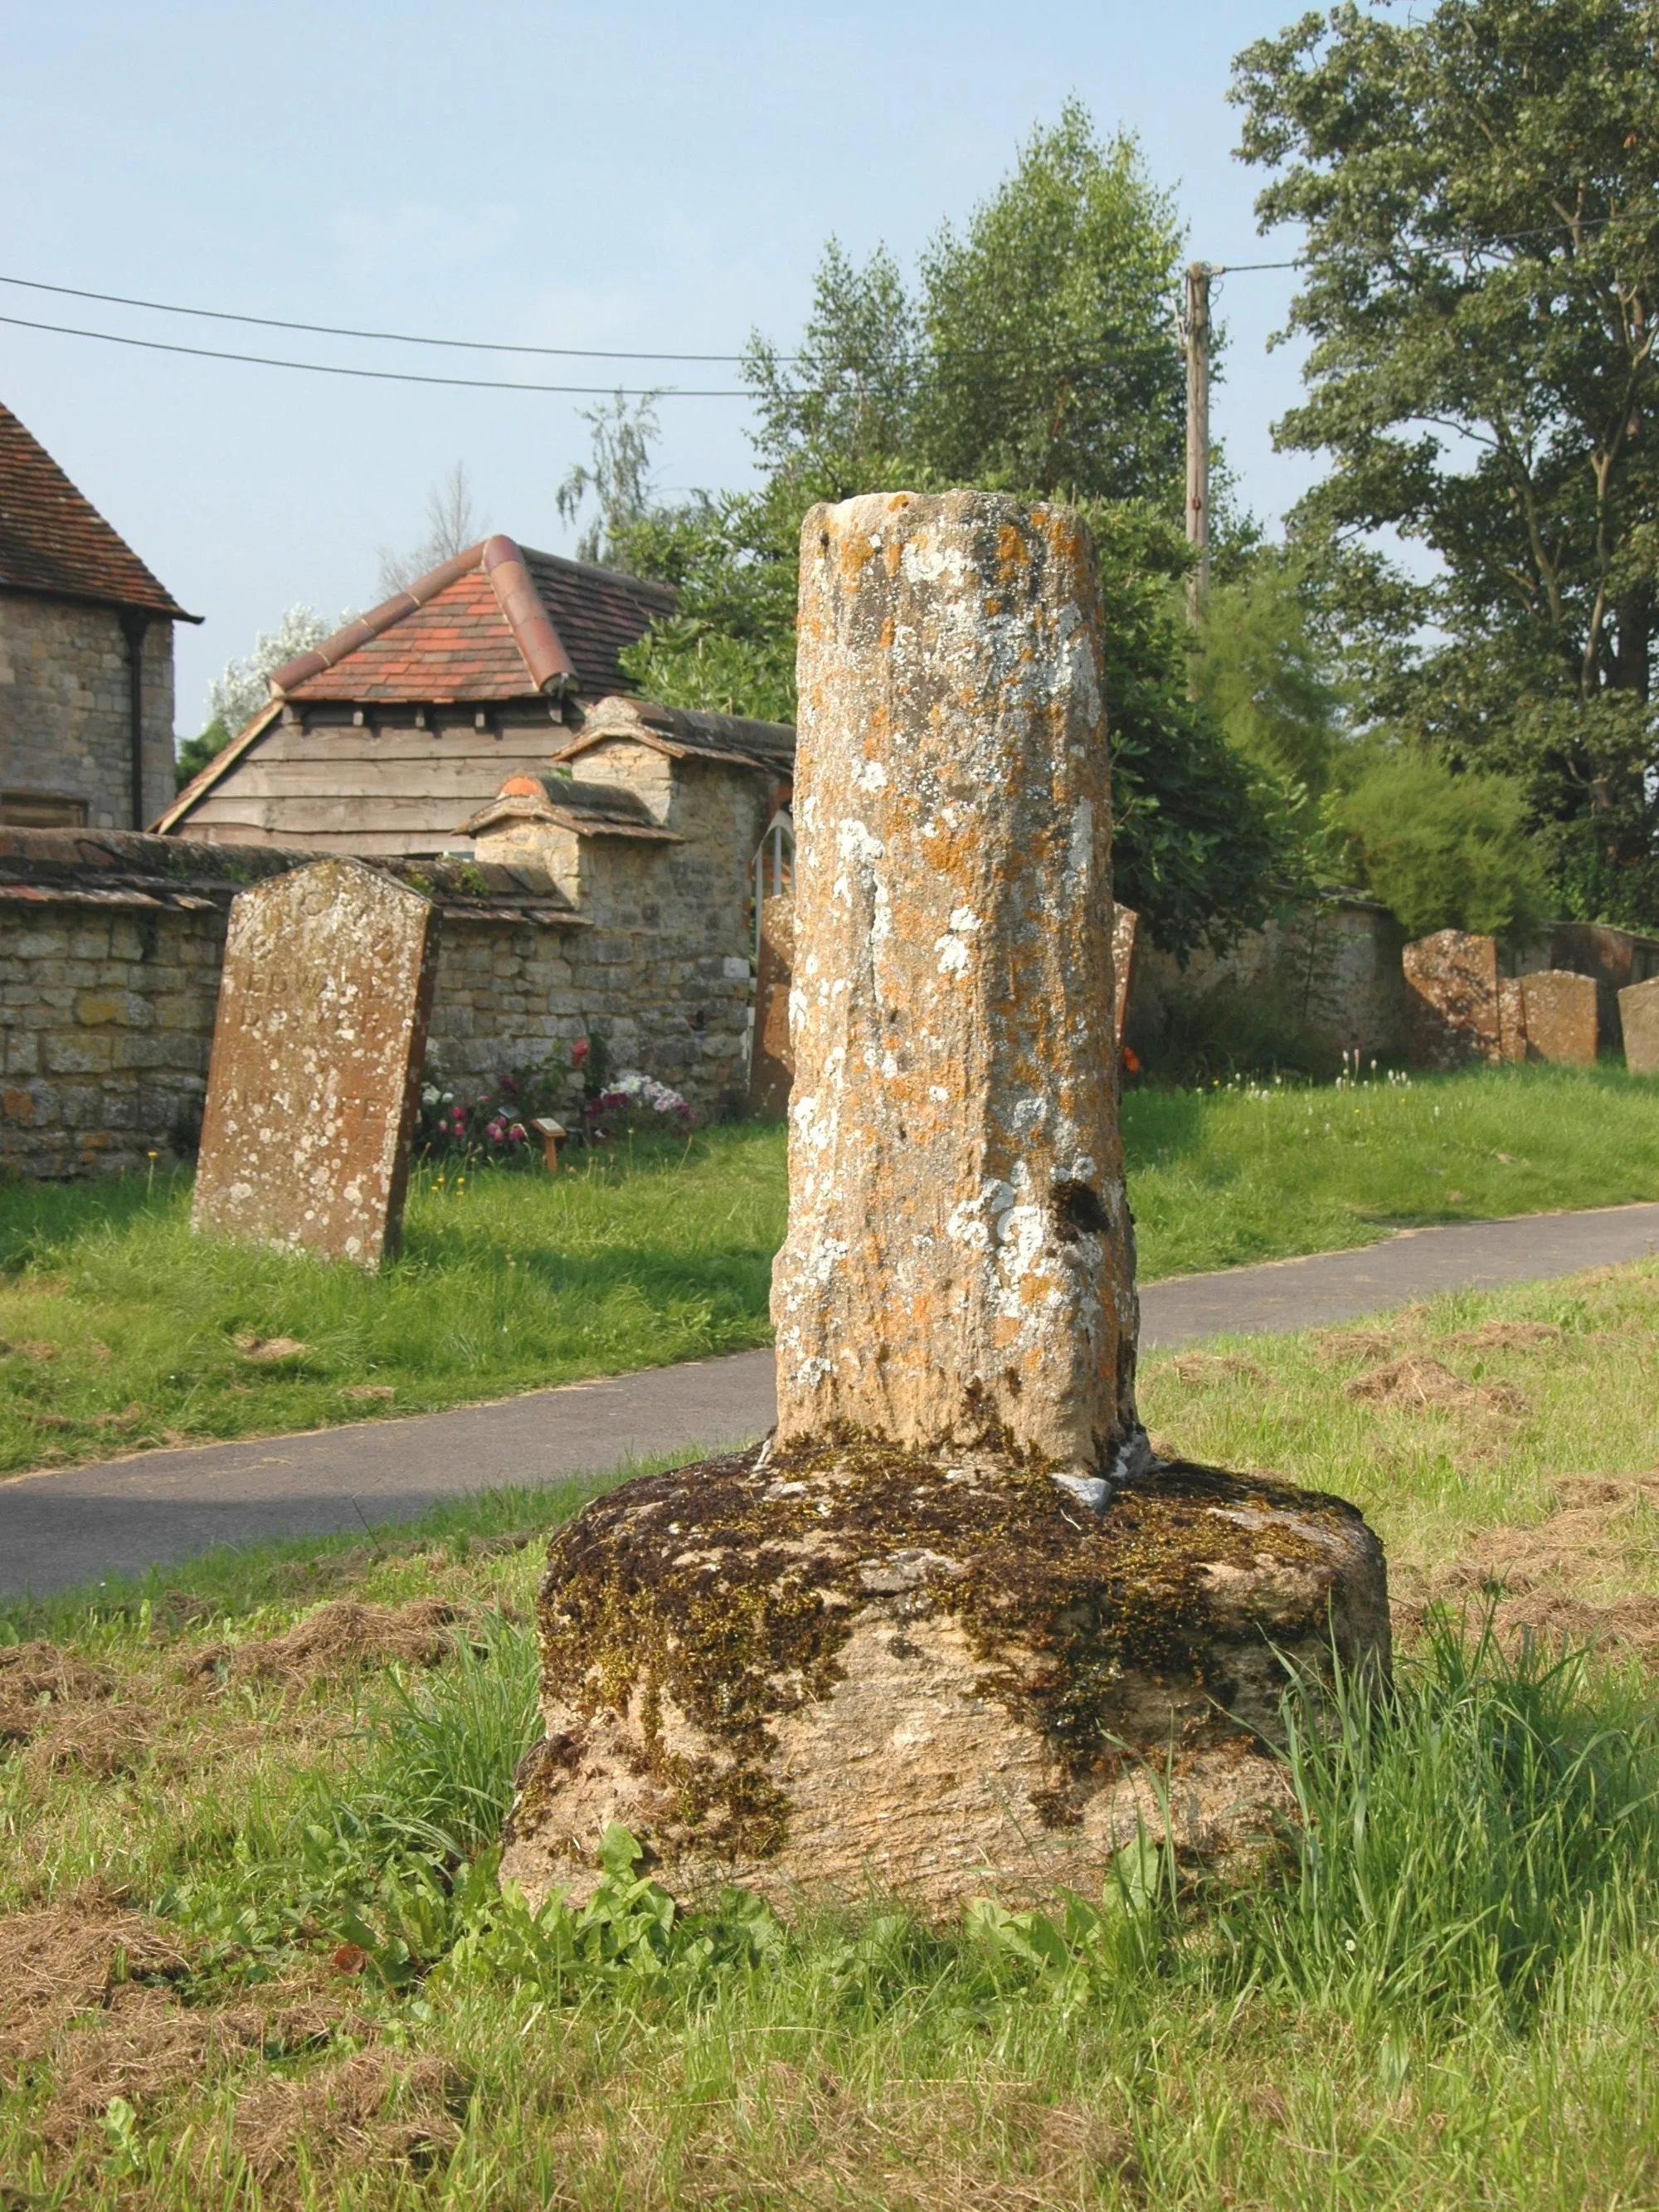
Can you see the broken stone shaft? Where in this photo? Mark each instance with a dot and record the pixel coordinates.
(959, 1267)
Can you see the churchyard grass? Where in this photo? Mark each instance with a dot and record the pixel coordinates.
(251, 1952)
(122, 1329)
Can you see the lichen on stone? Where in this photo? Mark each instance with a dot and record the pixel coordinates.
(698, 1610)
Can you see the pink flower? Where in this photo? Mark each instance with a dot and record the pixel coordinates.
(578, 1052)
(496, 1132)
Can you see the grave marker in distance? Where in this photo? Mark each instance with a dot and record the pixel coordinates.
(1560, 1016)
(1638, 1014)
(318, 1046)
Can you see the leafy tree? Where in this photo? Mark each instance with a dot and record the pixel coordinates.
(1050, 366)
(1444, 851)
(1269, 670)
(619, 478)
(1480, 188)
(240, 691)
(1039, 357)
(730, 645)
(836, 417)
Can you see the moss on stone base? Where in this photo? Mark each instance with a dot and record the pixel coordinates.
(722, 1595)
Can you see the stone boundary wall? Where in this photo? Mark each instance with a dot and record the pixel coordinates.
(1333, 968)
(1330, 968)
(110, 951)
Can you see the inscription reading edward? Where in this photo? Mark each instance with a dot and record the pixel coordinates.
(318, 1046)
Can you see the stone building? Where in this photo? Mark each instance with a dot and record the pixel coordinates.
(384, 738)
(591, 856)
(86, 656)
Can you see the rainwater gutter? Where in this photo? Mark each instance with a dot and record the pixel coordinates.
(133, 626)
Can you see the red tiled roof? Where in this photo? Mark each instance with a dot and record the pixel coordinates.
(470, 631)
(53, 540)
(597, 612)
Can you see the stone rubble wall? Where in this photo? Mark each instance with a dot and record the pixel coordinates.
(106, 1009)
(64, 730)
(1332, 967)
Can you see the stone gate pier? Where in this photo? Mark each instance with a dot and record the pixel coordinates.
(952, 1631)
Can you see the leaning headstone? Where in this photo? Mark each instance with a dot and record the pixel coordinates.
(314, 1081)
(1126, 934)
(772, 1067)
(953, 1629)
(1452, 1000)
(1511, 1019)
(1638, 1014)
(1560, 1016)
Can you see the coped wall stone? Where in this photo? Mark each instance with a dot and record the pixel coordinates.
(955, 1166)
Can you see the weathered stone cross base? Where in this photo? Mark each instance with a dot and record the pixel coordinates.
(835, 1671)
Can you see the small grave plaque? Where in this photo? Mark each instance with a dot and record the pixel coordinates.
(1638, 1013)
(317, 1051)
(1560, 1016)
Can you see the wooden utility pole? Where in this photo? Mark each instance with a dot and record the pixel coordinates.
(1197, 332)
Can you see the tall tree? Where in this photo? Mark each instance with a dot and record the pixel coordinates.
(619, 479)
(1050, 365)
(1479, 189)
(1038, 357)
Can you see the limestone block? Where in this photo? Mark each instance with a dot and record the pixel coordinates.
(1638, 1013)
(314, 1081)
(1560, 1015)
(77, 1052)
(955, 1165)
(1452, 1000)
(801, 1673)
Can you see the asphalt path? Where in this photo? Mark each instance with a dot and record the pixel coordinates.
(65, 1526)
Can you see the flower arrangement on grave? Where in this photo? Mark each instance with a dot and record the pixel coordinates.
(490, 1125)
(635, 1104)
(495, 1126)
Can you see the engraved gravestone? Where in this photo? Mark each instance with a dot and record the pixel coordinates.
(312, 1090)
(1560, 1016)
(1638, 1016)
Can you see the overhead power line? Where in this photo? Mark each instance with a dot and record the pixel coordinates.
(342, 330)
(376, 375)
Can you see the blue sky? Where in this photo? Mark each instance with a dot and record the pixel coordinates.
(630, 176)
